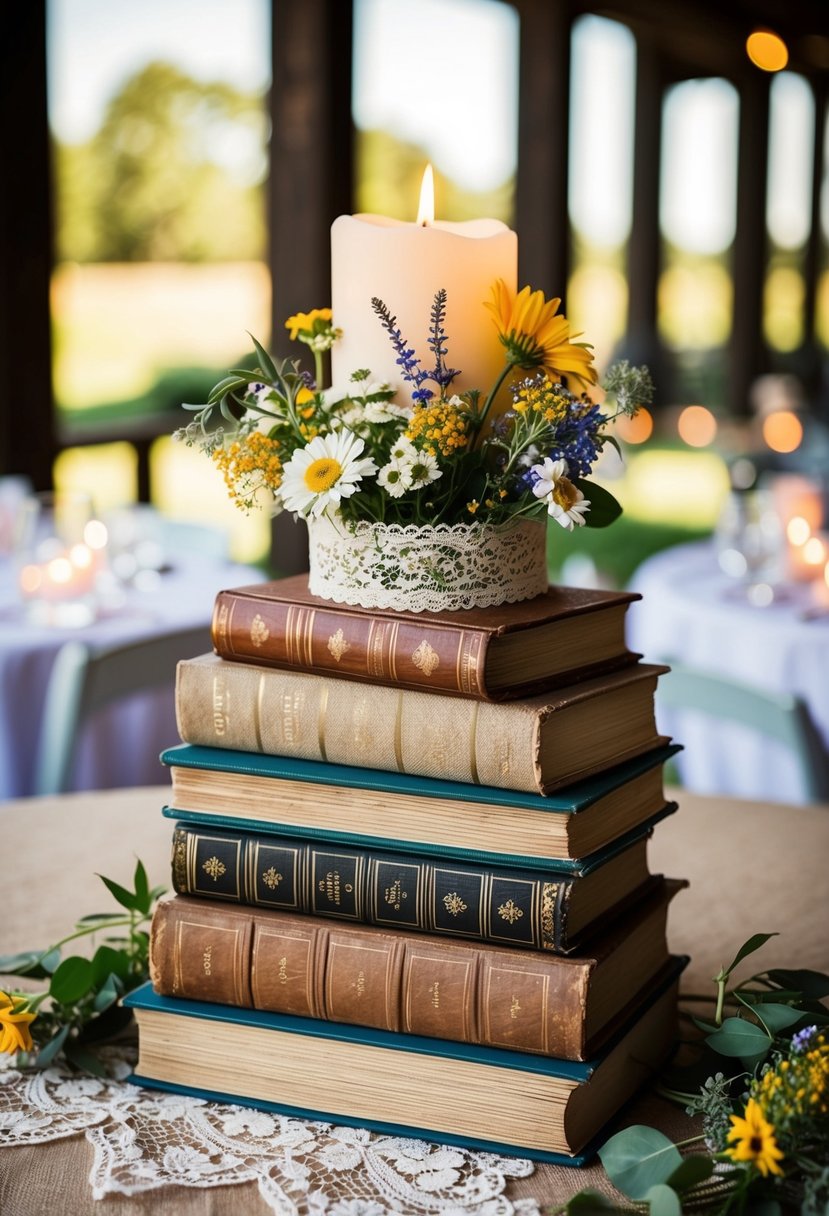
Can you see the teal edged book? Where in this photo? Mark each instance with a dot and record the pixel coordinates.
(539, 908)
(477, 1097)
(366, 806)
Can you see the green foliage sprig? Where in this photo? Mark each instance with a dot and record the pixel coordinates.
(79, 1006)
(765, 1124)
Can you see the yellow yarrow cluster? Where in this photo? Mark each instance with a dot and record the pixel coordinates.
(798, 1088)
(541, 396)
(249, 465)
(439, 428)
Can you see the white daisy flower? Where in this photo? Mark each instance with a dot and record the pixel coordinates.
(404, 451)
(386, 411)
(323, 473)
(423, 469)
(565, 502)
(395, 478)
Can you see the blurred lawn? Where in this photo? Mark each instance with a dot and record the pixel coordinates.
(617, 551)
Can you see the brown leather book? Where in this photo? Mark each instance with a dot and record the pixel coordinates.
(490, 995)
(494, 654)
(538, 743)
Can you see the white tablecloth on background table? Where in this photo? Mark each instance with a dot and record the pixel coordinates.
(120, 747)
(691, 612)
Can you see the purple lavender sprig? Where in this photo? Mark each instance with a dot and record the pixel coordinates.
(442, 375)
(412, 371)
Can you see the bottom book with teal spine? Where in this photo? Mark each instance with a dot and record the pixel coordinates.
(459, 1093)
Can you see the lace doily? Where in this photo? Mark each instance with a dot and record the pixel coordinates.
(144, 1140)
(430, 569)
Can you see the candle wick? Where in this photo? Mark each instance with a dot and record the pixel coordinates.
(425, 224)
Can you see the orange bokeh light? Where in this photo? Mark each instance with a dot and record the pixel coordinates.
(767, 51)
(636, 429)
(782, 431)
(697, 426)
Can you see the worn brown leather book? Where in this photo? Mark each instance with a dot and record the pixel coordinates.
(537, 743)
(403, 1085)
(490, 995)
(494, 653)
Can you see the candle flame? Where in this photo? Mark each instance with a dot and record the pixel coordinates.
(426, 208)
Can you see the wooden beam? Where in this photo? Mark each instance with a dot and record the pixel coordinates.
(642, 343)
(27, 441)
(311, 181)
(541, 215)
(747, 356)
(311, 178)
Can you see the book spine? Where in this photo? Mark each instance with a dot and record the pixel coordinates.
(258, 709)
(297, 965)
(515, 908)
(382, 650)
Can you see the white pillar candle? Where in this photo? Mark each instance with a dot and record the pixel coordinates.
(404, 265)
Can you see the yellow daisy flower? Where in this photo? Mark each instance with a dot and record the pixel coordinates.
(306, 322)
(754, 1140)
(535, 335)
(15, 1021)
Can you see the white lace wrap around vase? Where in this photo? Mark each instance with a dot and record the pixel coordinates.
(426, 569)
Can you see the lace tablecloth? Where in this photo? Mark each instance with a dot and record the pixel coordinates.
(144, 1140)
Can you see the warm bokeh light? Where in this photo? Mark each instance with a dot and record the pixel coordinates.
(798, 530)
(814, 551)
(31, 578)
(636, 429)
(80, 557)
(59, 570)
(426, 206)
(95, 534)
(767, 51)
(784, 298)
(697, 426)
(782, 431)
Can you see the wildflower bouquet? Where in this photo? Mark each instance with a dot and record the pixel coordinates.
(764, 1052)
(365, 454)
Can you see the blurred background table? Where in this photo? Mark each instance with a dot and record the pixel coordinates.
(692, 613)
(121, 746)
(748, 868)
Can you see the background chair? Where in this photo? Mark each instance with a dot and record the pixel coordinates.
(773, 715)
(86, 679)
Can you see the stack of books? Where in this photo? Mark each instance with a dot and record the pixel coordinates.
(410, 858)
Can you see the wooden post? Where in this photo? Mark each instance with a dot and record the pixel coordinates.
(541, 216)
(747, 354)
(642, 343)
(311, 181)
(311, 177)
(27, 424)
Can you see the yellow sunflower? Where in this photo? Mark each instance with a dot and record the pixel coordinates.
(535, 335)
(754, 1140)
(15, 1020)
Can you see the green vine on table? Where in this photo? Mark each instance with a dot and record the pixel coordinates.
(79, 1008)
(765, 1119)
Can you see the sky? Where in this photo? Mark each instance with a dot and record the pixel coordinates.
(444, 74)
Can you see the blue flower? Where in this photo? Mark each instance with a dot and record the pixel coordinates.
(802, 1040)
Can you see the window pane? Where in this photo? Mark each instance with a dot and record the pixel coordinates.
(436, 80)
(698, 194)
(822, 311)
(159, 126)
(603, 67)
(788, 208)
